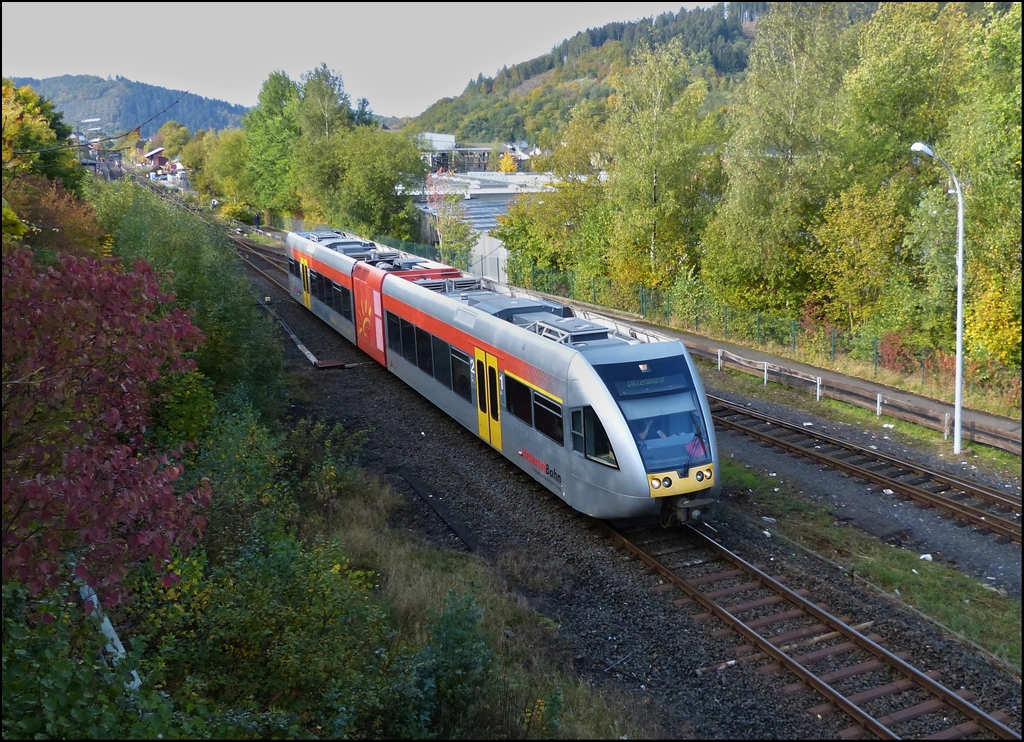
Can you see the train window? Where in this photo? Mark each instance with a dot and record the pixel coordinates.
(329, 292)
(394, 333)
(408, 340)
(577, 431)
(314, 284)
(547, 416)
(424, 357)
(481, 387)
(599, 448)
(461, 368)
(442, 361)
(492, 386)
(318, 285)
(590, 439)
(346, 304)
(517, 399)
(293, 266)
(343, 301)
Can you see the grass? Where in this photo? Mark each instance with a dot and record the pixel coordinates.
(997, 462)
(955, 600)
(534, 659)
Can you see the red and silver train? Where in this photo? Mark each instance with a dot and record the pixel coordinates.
(615, 422)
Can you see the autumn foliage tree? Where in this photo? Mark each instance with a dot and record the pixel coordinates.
(455, 237)
(82, 487)
(55, 219)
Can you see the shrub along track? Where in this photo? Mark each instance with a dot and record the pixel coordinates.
(616, 627)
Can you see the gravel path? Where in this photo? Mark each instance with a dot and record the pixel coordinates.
(604, 605)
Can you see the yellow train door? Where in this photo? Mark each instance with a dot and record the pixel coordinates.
(304, 270)
(488, 398)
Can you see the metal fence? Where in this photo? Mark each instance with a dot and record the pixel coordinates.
(782, 334)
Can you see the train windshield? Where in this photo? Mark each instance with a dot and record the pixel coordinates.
(660, 404)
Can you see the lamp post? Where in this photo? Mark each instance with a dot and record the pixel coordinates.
(958, 404)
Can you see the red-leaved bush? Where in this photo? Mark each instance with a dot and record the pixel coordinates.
(81, 344)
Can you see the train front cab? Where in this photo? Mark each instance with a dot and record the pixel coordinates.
(642, 443)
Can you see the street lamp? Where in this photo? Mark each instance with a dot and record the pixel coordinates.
(958, 405)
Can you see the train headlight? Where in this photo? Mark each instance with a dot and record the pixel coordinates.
(708, 473)
(700, 476)
(666, 482)
(656, 483)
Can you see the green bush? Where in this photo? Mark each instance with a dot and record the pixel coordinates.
(456, 661)
(237, 211)
(283, 628)
(57, 683)
(241, 348)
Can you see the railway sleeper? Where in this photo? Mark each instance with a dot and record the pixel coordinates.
(851, 671)
(871, 694)
(750, 605)
(908, 714)
(727, 591)
(775, 618)
(818, 654)
(818, 634)
(968, 728)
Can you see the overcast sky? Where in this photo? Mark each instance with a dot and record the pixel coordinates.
(402, 57)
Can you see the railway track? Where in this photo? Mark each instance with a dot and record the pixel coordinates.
(782, 628)
(270, 257)
(981, 506)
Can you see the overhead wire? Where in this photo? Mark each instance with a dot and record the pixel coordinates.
(104, 139)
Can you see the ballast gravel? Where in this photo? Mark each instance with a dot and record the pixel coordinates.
(615, 629)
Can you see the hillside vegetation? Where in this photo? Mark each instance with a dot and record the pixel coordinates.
(531, 100)
(122, 104)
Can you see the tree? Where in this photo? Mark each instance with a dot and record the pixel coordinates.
(324, 106)
(507, 163)
(173, 136)
(661, 182)
(361, 180)
(81, 486)
(857, 253)
(228, 152)
(34, 136)
(783, 160)
(907, 82)
(272, 131)
(455, 236)
(983, 143)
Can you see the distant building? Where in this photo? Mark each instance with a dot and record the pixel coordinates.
(156, 157)
(442, 152)
(487, 196)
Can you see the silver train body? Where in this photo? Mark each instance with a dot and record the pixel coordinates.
(613, 421)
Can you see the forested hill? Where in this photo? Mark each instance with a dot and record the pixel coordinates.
(529, 100)
(122, 104)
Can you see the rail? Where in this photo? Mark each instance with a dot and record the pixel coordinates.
(946, 492)
(739, 578)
